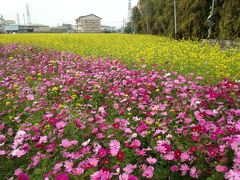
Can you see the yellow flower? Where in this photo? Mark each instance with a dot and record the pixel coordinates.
(54, 89)
(77, 75)
(74, 96)
(52, 61)
(148, 122)
(47, 126)
(8, 103)
(9, 96)
(61, 106)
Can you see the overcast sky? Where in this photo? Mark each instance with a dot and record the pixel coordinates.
(56, 12)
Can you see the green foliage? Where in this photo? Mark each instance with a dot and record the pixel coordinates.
(230, 19)
(157, 17)
(128, 28)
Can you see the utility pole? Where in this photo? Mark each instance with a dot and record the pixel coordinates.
(147, 16)
(175, 19)
(24, 22)
(18, 21)
(28, 15)
(123, 27)
(210, 20)
(129, 10)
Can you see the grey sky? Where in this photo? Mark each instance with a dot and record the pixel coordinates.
(56, 12)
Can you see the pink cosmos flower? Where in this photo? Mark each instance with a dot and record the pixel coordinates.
(78, 171)
(2, 152)
(148, 172)
(60, 124)
(130, 168)
(232, 175)
(123, 176)
(62, 177)
(18, 171)
(93, 161)
(135, 144)
(102, 153)
(66, 143)
(131, 177)
(151, 160)
(114, 147)
(23, 176)
(51, 147)
(115, 106)
(52, 121)
(100, 175)
(220, 168)
(184, 168)
(184, 156)
(2, 138)
(68, 165)
(142, 127)
(57, 167)
(212, 153)
(169, 156)
(164, 148)
(193, 172)
(43, 139)
(199, 117)
(174, 168)
(2, 126)
(18, 152)
(30, 97)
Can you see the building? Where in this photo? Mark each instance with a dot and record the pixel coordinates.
(35, 28)
(8, 22)
(58, 29)
(39, 28)
(108, 29)
(65, 28)
(89, 24)
(2, 22)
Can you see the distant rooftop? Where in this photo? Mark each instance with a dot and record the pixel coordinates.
(89, 15)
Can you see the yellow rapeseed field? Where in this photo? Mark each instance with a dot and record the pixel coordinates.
(185, 57)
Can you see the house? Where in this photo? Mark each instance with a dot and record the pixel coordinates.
(89, 24)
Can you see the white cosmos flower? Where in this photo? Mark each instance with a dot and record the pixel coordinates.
(86, 142)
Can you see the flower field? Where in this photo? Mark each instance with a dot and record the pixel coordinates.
(182, 56)
(65, 116)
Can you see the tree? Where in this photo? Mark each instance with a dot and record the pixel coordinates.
(157, 17)
(128, 28)
(229, 24)
(192, 16)
(136, 20)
